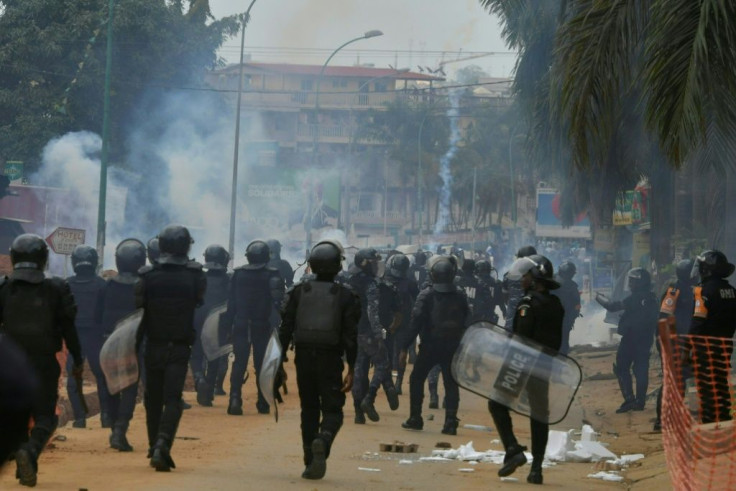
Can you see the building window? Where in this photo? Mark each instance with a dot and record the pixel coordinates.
(307, 84)
(339, 83)
(380, 87)
(365, 202)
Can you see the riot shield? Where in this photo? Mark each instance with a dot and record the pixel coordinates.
(118, 356)
(269, 369)
(519, 373)
(214, 342)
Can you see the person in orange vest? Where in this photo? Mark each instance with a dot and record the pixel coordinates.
(677, 301)
(714, 315)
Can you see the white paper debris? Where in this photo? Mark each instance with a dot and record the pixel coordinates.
(368, 469)
(628, 459)
(588, 434)
(478, 427)
(606, 476)
(435, 458)
(466, 469)
(405, 462)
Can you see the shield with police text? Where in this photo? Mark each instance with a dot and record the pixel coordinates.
(118, 356)
(523, 375)
(214, 338)
(269, 371)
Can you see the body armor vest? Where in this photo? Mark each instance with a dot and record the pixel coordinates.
(318, 316)
(28, 316)
(119, 301)
(86, 290)
(171, 295)
(447, 316)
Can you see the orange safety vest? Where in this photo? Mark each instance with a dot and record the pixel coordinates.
(669, 301)
(700, 310)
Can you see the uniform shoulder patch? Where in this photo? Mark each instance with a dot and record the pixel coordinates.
(523, 310)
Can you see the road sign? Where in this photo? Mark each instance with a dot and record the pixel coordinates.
(14, 170)
(64, 240)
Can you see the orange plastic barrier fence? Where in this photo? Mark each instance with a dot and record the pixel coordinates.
(697, 408)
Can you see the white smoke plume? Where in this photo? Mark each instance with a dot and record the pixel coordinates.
(444, 172)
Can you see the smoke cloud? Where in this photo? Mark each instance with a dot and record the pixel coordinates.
(445, 172)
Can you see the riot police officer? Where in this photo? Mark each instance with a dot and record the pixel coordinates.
(255, 290)
(86, 287)
(282, 265)
(418, 270)
(636, 327)
(371, 345)
(116, 300)
(168, 292)
(569, 295)
(205, 373)
(513, 290)
(397, 275)
(37, 314)
(677, 301)
(467, 281)
(321, 317)
(489, 294)
(538, 317)
(439, 316)
(714, 315)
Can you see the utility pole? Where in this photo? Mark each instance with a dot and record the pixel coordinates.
(101, 202)
(234, 192)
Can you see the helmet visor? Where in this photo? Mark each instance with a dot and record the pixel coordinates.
(519, 268)
(695, 271)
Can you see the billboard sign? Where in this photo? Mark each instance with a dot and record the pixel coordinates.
(63, 240)
(549, 218)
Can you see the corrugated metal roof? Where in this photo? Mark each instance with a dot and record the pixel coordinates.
(336, 71)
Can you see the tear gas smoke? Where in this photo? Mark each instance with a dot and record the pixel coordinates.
(445, 174)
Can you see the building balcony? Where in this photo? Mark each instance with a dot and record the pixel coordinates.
(375, 217)
(328, 133)
(290, 101)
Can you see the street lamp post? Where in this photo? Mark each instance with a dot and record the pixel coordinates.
(315, 131)
(234, 192)
(420, 205)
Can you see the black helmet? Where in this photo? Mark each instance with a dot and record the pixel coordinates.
(420, 258)
(153, 251)
(639, 279)
(442, 271)
(367, 260)
(216, 257)
(714, 263)
(325, 259)
(29, 251)
(174, 240)
(130, 256)
(274, 246)
(683, 270)
(538, 266)
(568, 269)
(525, 251)
(84, 258)
(398, 265)
(483, 268)
(468, 266)
(257, 252)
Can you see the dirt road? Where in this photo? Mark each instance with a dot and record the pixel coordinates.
(217, 451)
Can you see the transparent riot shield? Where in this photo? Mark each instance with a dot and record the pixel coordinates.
(269, 369)
(519, 373)
(118, 357)
(214, 342)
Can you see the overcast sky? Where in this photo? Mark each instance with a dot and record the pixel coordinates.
(316, 27)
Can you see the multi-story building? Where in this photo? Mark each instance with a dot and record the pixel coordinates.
(309, 121)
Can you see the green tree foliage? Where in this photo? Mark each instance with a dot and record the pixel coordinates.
(52, 64)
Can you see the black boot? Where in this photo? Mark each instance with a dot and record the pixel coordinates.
(318, 466)
(513, 459)
(628, 405)
(367, 405)
(204, 394)
(415, 421)
(235, 408)
(399, 381)
(451, 423)
(79, 423)
(393, 398)
(359, 416)
(118, 440)
(434, 399)
(535, 474)
(161, 458)
(26, 461)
